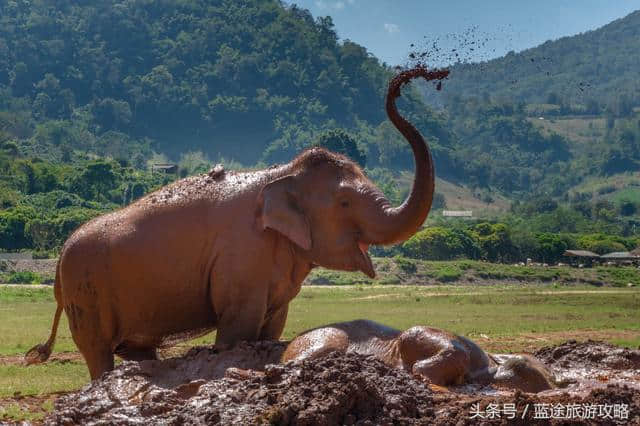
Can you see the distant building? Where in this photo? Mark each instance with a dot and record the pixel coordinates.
(581, 257)
(457, 213)
(619, 257)
(164, 167)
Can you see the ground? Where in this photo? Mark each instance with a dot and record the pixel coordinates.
(239, 386)
(506, 316)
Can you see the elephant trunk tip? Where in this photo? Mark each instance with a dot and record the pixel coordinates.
(406, 76)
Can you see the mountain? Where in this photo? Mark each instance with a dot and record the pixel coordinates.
(596, 68)
(257, 81)
(231, 78)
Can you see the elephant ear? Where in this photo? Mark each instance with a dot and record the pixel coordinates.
(281, 212)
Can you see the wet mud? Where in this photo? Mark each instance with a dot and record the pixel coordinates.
(245, 385)
(591, 354)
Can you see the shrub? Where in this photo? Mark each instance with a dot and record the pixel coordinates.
(406, 265)
(24, 277)
(448, 274)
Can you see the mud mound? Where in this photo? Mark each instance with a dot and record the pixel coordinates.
(245, 386)
(338, 389)
(592, 354)
(596, 408)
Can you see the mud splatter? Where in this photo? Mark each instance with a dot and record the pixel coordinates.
(473, 48)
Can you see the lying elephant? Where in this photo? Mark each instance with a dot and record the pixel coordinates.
(440, 357)
(227, 250)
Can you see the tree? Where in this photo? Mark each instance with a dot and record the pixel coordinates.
(550, 247)
(341, 142)
(13, 222)
(627, 207)
(96, 180)
(437, 243)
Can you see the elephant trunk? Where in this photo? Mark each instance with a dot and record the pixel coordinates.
(397, 224)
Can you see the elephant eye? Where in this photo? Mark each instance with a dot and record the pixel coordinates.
(344, 203)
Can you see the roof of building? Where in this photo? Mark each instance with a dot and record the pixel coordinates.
(619, 255)
(580, 253)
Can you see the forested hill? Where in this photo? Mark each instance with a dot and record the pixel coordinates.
(597, 67)
(247, 79)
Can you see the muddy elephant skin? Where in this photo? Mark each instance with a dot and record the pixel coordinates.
(227, 250)
(440, 357)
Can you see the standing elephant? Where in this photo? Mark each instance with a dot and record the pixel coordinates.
(227, 250)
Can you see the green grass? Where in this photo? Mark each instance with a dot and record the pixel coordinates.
(399, 270)
(42, 379)
(496, 311)
(613, 188)
(501, 317)
(18, 412)
(579, 130)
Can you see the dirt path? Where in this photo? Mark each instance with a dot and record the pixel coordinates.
(56, 356)
(485, 293)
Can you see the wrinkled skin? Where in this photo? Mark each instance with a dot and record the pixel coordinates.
(227, 250)
(440, 357)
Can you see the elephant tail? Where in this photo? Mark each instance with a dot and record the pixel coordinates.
(41, 352)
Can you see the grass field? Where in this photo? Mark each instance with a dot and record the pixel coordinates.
(471, 272)
(499, 317)
(580, 130)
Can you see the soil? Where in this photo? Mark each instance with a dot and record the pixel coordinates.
(590, 354)
(243, 386)
(60, 357)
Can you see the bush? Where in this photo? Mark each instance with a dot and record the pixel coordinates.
(448, 274)
(24, 277)
(439, 243)
(406, 265)
(602, 243)
(43, 254)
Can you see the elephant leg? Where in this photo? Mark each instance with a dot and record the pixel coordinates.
(99, 359)
(446, 368)
(132, 353)
(272, 329)
(240, 320)
(433, 353)
(85, 326)
(316, 344)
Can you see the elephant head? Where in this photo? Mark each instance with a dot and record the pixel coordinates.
(325, 204)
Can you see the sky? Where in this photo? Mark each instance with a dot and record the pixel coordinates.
(387, 28)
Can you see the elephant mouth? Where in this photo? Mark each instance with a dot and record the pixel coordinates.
(365, 264)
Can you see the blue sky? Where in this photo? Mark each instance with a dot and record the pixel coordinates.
(387, 28)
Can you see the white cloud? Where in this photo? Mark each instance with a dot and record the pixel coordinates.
(391, 28)
(337, 5)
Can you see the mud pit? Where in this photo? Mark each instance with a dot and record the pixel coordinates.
(239, 386)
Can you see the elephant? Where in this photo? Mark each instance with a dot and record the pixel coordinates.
(227, 250)
(438, 356)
